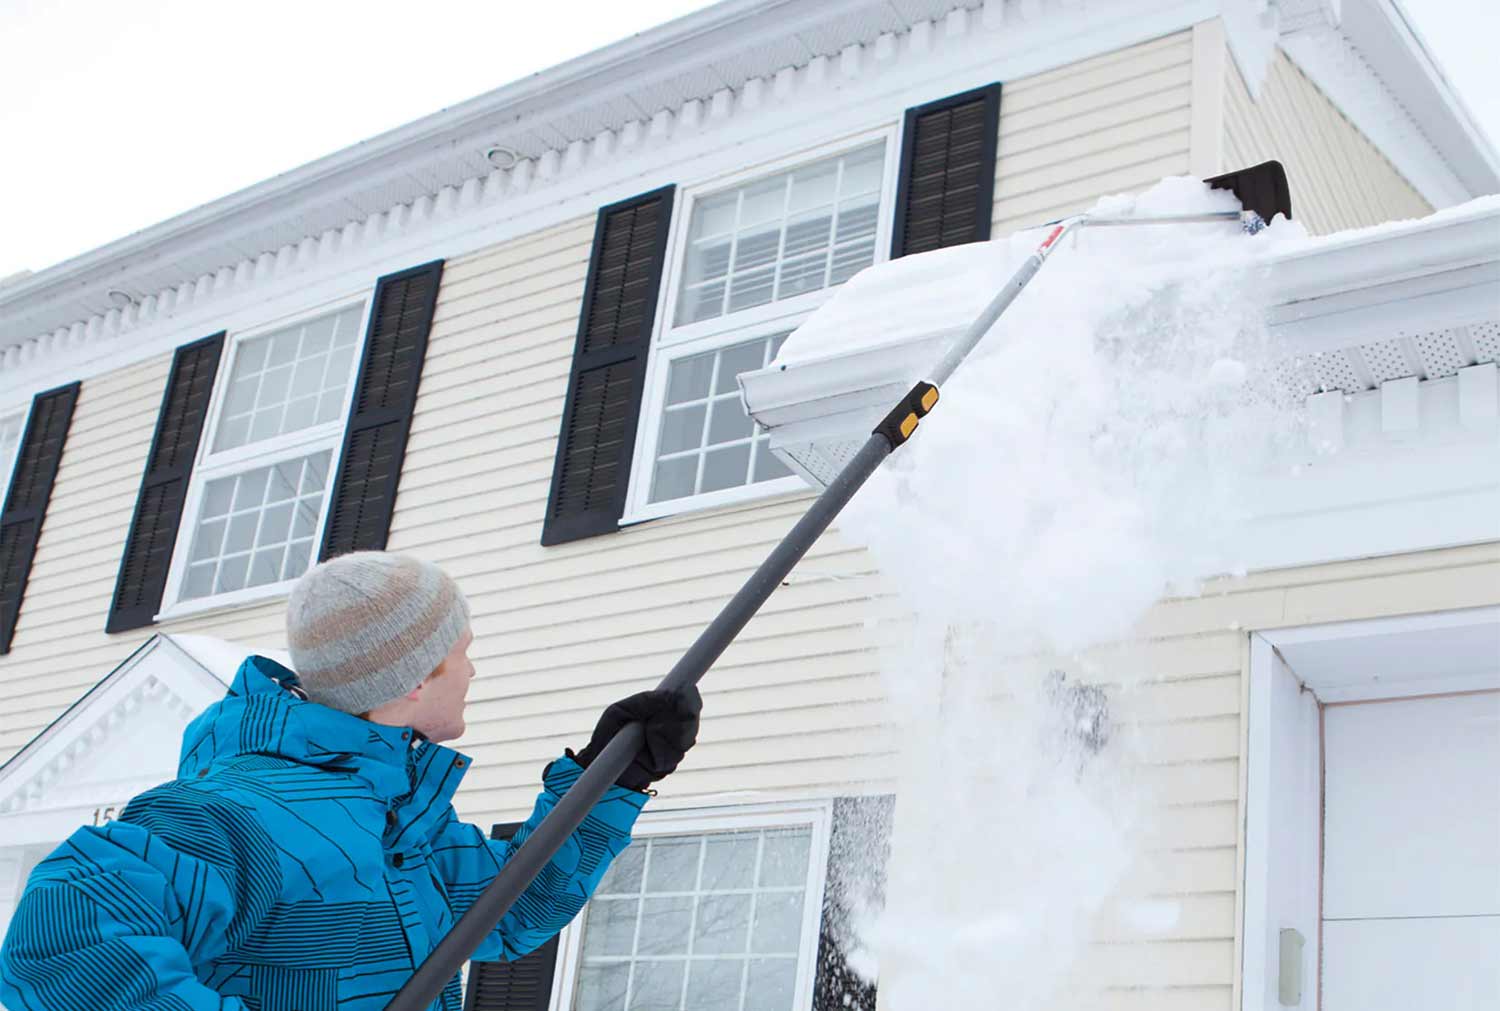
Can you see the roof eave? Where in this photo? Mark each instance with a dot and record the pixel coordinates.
(1386, 37)
(687, 39)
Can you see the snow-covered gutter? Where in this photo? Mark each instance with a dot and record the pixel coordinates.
(1350, 288)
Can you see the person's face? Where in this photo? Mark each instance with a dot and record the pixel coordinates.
(437, 704)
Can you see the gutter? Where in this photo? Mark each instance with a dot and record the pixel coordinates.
(1443, 269)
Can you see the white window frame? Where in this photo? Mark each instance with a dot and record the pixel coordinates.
(816, 815)
(260, 454)
(669, 343)
(19, 413)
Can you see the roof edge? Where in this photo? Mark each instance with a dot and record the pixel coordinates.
(555, 84)
(1386, 36)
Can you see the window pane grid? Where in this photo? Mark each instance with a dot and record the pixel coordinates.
(740, 259)
(691, 973)
(257, 527)
(288, 380)
(706, 441)
(868, 197)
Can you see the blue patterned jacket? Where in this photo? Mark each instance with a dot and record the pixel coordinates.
(304, 860)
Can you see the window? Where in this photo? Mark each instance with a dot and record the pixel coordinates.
(754, 259)
(704, 921)
(260, 484)
(707, 442)
(773, 239)
(11, 428)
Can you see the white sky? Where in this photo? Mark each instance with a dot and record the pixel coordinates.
(117, 114)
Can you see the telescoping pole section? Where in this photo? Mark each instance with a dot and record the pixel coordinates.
(527, 862)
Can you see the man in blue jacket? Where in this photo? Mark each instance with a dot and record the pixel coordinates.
(307, 857)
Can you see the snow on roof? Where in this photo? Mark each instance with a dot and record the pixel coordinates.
(936, 294)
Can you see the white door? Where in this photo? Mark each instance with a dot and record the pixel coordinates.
(1411, 865)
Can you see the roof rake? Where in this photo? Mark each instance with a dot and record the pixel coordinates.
(1262, 194)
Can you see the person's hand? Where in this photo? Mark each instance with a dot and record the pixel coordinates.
(671, 720)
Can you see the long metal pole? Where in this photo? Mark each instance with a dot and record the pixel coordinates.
(527, 862)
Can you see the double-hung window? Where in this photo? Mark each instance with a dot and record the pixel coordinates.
(753, 257)
(259, 490)
(687, 919)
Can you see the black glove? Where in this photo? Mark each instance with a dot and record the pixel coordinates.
(671, 720)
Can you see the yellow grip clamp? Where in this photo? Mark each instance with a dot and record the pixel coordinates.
(899, 425)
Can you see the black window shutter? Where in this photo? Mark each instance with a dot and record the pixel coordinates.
(946, 191)
(522, 985)
(164, 485)
(592, 469)
(37, 460)
(385, 395)
(861, 839)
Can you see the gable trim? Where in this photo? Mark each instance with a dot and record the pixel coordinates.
(69, 737)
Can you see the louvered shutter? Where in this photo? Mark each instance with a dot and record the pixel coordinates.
(37, 459)
(860, 842)
(522, 985)
(385, 395)
(592, 469)
(946, 191)
(164, 485)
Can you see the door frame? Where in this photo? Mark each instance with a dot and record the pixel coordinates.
(1293, 674)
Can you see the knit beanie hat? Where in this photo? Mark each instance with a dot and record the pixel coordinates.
(368, 627)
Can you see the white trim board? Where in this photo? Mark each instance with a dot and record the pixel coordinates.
(1293, 671)
(41, 796)
(1410, 655)
(751, 323)
(1007, 40)
(913, 65)
(873, 94)
(1292, 674)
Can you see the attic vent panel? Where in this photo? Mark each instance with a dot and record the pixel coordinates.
(1385, 360)
(1335, 371)
(1294, 380)
(1440, 352)
(1486, 340)
(824, 460)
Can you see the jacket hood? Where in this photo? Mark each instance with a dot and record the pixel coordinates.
(264, 714)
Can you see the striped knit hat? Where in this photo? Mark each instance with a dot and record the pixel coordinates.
(368, 627)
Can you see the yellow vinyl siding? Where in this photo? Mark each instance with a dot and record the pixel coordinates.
(795, 706)
(1111, 124)
(1337, 178)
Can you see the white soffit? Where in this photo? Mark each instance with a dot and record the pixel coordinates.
(579, 114)
(1382, 33)
(1396, 657)
(583, 126)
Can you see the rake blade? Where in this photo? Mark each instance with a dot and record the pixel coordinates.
(1261, 188)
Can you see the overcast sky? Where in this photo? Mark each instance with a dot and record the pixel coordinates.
(117, 114)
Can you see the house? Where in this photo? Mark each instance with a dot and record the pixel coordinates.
(506, 338)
